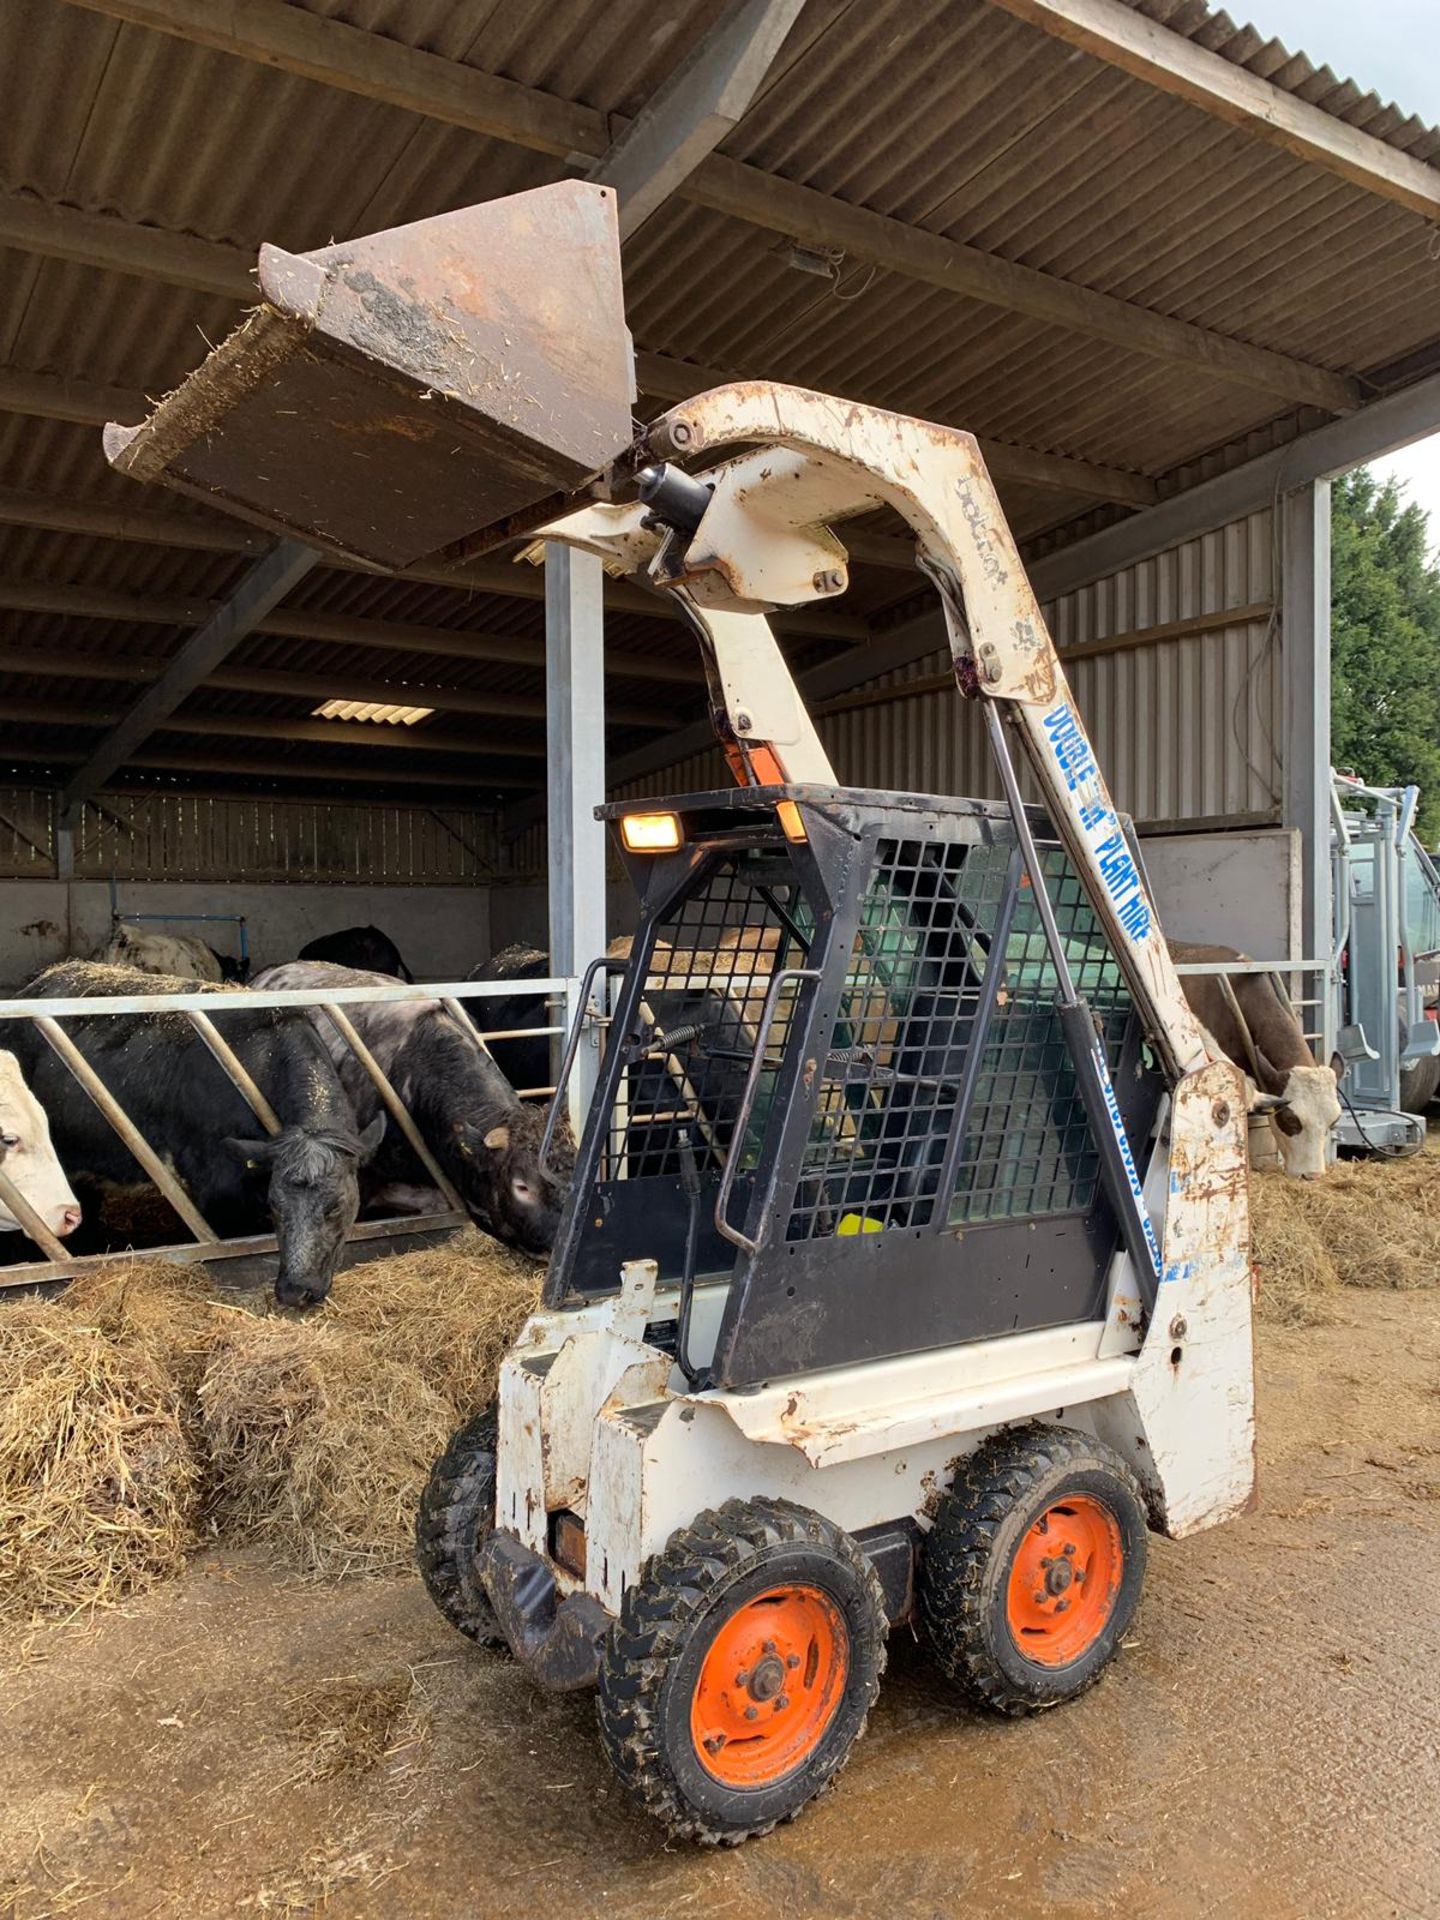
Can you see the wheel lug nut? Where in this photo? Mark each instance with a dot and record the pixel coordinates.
(769, 1647)
(1069, 1548)
(792, 1660)
(1040, 1599)
(742, 1678)
(752, 1713)
(1061, 1606)
(782, 1701)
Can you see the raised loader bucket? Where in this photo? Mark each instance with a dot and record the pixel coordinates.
(392, 394)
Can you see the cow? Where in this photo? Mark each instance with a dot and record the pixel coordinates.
(304, 1183)
(180, 955)
(484, 1139)
(1300, 1096)
(27, 1156)
(365, 948)
(524, 1061)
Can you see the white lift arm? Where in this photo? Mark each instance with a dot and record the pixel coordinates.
(763, 539)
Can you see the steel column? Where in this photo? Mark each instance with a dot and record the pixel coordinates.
(575, 739)
(1305, 656)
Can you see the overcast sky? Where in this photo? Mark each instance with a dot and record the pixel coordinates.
(1392, 47)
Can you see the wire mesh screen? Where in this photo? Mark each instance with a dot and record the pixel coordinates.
(882, 1133)
(705, 992)
(1028, 1148)
(892, 1077)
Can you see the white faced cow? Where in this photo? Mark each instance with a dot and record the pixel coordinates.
(27, 1157)
(1300, 1096)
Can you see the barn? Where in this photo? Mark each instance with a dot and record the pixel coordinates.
(1163, 376)
(1175, 277)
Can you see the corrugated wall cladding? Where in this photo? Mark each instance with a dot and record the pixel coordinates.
(182, 836)
(1186, 729)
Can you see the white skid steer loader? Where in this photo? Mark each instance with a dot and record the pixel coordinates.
(905, 1276)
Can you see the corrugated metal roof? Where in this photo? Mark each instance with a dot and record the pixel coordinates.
(948, 115)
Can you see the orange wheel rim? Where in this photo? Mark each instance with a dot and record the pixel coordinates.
(770, 1685)
(1064, 1580)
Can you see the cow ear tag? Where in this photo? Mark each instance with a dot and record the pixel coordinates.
(498, 1139)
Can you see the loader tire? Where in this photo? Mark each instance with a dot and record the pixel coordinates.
(740, 1672)
(1032, 1570)
(1418, 1083)
(457, 1510)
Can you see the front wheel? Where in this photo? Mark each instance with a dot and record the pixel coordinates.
(457, 1511)
(1032, 1570)
(741, 1669)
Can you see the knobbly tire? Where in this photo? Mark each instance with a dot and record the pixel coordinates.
(742, 1667)
(1032, 1570)
(457, 1509)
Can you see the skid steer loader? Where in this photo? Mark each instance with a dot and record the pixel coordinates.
(904, 1279)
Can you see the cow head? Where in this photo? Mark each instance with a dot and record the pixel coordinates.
(1304, 1114)
(501, 1182)
(312, 1177)
(28, 1158)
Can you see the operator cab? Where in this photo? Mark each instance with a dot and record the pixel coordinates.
(838, 1093)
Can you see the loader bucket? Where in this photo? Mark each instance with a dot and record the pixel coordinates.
(391, 394)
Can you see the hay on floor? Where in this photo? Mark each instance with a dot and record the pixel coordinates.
(142, 1413)
(1296, 1280)
(1367, 1223)
(318, 1444)
(450, 1311)
(99, 1485)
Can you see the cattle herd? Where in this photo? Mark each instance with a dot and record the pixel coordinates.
(338, 1151)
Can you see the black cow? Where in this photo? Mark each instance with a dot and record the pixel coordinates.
(365, 948)
(524, 1062)
(484, 1139)
(303, 1183)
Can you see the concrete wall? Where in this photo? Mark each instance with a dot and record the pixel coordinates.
(441, 931)
(520, 910)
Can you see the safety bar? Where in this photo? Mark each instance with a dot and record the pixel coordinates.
(743, 1112)
(572, 1047)
(30, 1222)
(202, 1010)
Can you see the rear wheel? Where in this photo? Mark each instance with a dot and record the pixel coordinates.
(457, 1511)
(741, 1669)
(1418, 1082)
(1032, 1571)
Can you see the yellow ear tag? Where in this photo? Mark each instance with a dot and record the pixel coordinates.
(853, 1223)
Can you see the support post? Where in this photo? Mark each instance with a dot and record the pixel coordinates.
(575, 739)
(1305, 637)
(63, 829)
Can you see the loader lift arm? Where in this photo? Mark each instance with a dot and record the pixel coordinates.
(754, 532)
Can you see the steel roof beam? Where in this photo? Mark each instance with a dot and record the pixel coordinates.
(1173, 64)
(263, 585)
(24, 753)
(693, 109)
(298, 623)
(667, 379)
(328, 50)
(364, 734)
(48, 663)
(49, 397)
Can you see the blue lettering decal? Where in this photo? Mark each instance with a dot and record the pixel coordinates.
(1112, 1108)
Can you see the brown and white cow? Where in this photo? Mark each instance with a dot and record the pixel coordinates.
(28, 1158)
(1300, 1096)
